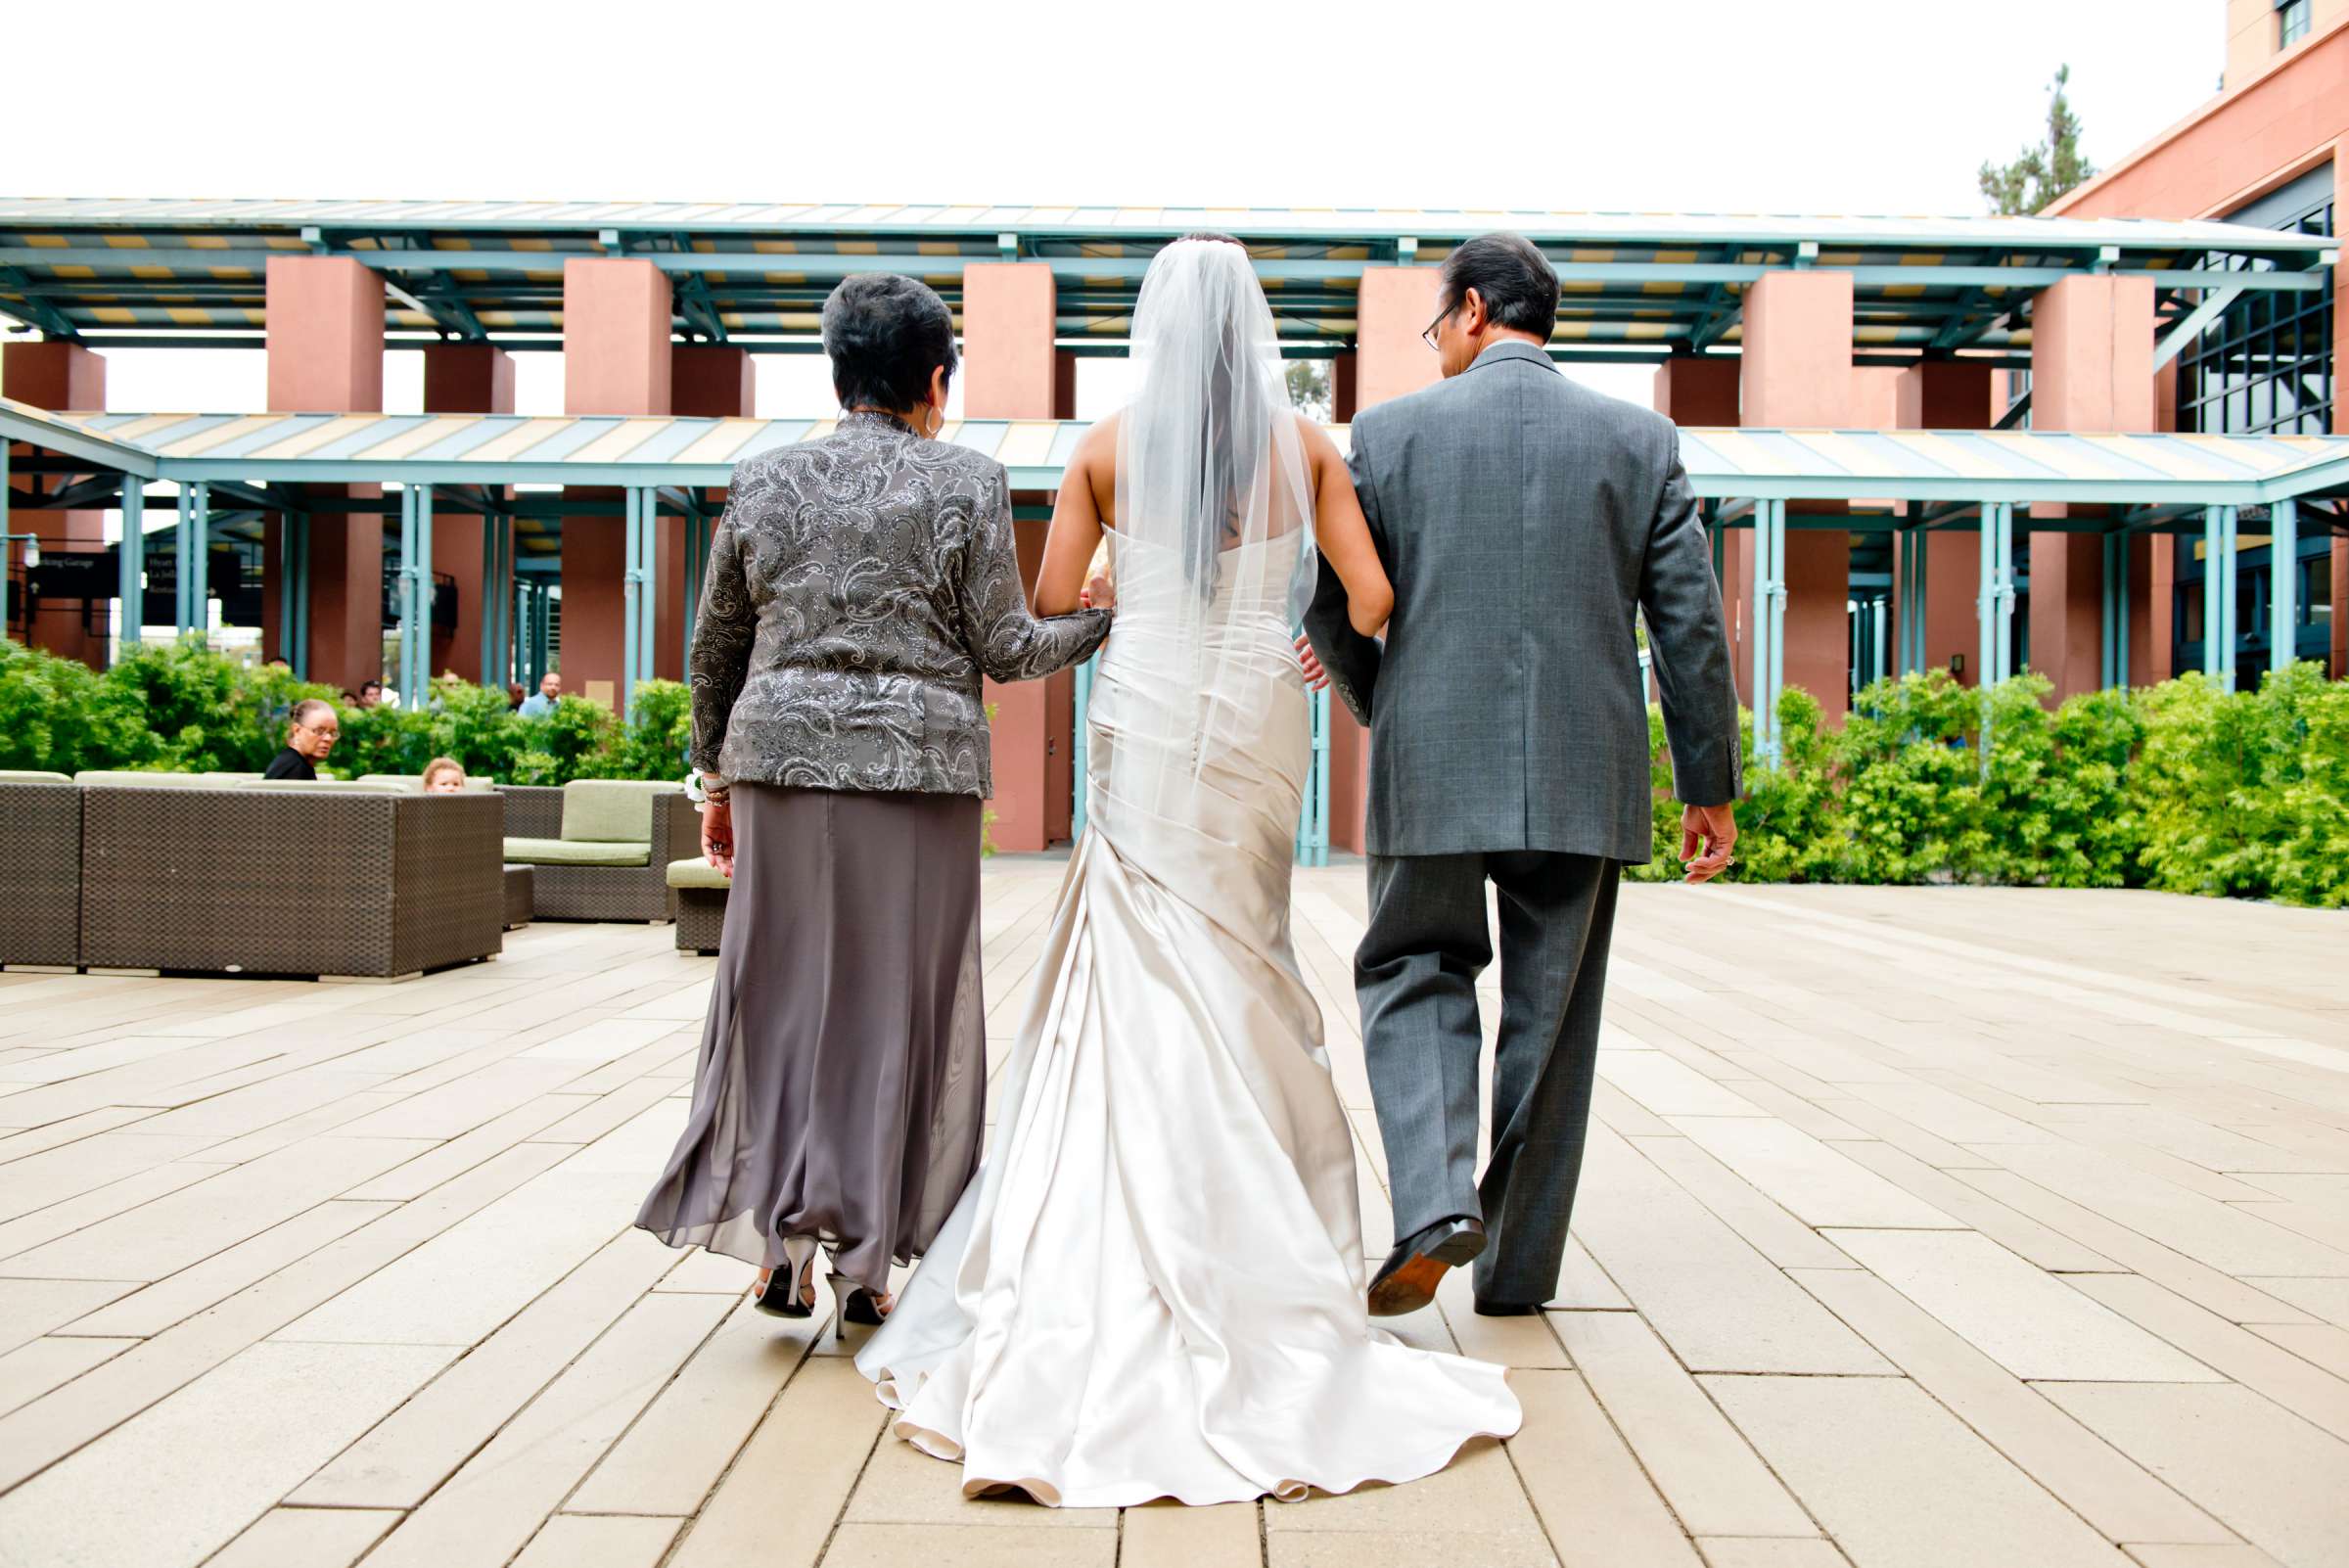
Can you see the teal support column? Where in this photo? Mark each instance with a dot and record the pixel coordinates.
(2211, 531)
(1764, 694)
(1778, 620)
(648, 599)
(1081, 754)
(631, 597)
(296, 610)
(2003, 547)
(424, 595)
(2226, 571)
(2120, 621)
(2284, 587)
(200, 551)
(406, 578)
(130, 567)
(493, 593)
(182, 578)
(2111, 615)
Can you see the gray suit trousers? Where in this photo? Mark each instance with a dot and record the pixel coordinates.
(1416, 971)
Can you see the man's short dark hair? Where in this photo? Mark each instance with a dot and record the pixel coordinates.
(366, 687)
(307, 712)
(886, 334)
(1513, 278)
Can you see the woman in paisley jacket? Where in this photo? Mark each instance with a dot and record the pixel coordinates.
(859, 586)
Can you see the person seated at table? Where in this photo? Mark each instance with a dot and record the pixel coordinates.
(444, 775)
(310, 734)
(514, 698)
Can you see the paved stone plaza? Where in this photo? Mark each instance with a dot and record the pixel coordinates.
(1919, 1228)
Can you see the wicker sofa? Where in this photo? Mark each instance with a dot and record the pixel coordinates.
(179, 872)
(608, 855)
(40, 872)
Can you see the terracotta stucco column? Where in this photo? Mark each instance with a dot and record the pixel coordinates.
(1694, 391)
(1389, 360)
(326, 356)
(467, 378)
(1947, 394)
(2092, 369)
(58, 375)
(1797, 373)
(706, 380)
(1012, 370)
(617, 360)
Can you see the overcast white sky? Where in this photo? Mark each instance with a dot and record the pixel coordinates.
(1761, 106)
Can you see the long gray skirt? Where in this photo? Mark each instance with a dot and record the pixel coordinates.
(843, 1073)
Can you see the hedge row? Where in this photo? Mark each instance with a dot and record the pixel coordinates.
(187, 708)
(2180, 786)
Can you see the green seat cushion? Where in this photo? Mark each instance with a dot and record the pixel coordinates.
(612, 810)
(26, 775)
(148, 781)
(577, 851)
(317, 786)
(696, 873)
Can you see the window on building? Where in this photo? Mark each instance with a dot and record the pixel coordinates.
(2291, 22)
(2265, 368)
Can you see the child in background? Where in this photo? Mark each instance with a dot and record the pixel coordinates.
(442, 775)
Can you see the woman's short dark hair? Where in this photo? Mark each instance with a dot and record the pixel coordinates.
(1513, 278)
(886, 333)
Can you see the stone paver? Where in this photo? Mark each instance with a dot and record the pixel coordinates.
(1937, 1227)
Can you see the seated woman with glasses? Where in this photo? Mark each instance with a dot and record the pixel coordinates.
(309, 736)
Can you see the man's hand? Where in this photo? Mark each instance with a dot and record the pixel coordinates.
(717, 835)
(1317, 678)
(1713, 829)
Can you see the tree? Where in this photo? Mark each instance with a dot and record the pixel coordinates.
(1310, 387)
(2041, 174)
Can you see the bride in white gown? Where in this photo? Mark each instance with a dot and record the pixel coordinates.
(1155, 1285)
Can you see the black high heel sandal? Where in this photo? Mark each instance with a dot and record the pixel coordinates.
(852, 1303)
(790, 1289)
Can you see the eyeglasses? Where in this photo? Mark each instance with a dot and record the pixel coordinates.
(1429, 336)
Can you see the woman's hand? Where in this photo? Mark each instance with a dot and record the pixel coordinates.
(717, 835)
(1098, 593)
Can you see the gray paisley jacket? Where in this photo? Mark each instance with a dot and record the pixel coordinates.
(858, 588)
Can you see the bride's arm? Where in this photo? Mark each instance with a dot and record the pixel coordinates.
(1344, 534)
(1076, 521)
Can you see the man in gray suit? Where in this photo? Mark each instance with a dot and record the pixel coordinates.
(1523, 519)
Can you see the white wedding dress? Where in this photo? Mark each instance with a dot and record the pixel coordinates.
(1155, 1285)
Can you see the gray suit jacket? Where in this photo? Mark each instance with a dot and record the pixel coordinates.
(1524, 518)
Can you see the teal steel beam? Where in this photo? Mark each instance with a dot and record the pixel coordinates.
(2283, 583)
(824, 267)
(2214, 305)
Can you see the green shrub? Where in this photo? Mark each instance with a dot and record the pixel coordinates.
(2180, 786)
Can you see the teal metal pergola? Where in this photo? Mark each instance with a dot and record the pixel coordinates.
(230, 470)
